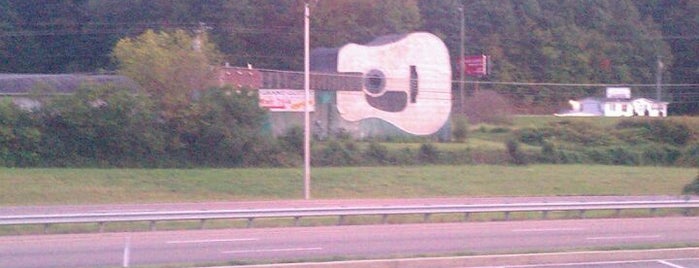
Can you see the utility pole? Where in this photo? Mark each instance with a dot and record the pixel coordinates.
(659, 79)
(306, 112)
(461, 62)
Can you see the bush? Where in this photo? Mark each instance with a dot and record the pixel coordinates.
(660, 130)
(532, 136)
(103, 126)
(548, 152)
(692, 188)
(516, 155)
(571, 157)
(19, 136)
(338, 153)
(406, 156)
(622, 156)
(660, 155)
(377, 154)
(220, 129)
(293, 140)
(460, 130)
(690, 157)
(428, 154)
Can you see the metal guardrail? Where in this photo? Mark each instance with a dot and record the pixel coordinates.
(341, 212)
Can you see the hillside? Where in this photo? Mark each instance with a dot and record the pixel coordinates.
(542, 52)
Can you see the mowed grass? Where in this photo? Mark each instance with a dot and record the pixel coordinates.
(104, 186)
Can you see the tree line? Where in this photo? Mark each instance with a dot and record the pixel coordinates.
(565, 42)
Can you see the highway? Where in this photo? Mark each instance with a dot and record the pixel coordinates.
(341, 242)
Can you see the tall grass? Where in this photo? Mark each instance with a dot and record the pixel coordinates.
(101, 186)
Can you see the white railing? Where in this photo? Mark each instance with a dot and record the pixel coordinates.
(297, 213)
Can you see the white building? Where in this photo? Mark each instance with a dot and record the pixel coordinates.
(617, 103)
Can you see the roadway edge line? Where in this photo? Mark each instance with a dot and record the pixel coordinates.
(499, 260)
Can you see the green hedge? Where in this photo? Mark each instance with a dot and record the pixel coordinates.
(223, 127)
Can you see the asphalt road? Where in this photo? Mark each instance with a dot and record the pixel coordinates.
(367, 241)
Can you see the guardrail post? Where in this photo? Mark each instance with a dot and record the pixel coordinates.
(384, 218)
(544, 214)
(101, 227)
(507, 215)
(581, 213)
(152, 226)
(202, 224)
(466, 216)
(250, 222)
(617, 212)
(426, 217)
(297, 221)
(652, 212)
(341, 220)
(46, 228)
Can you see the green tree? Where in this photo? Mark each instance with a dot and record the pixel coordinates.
(19, 136)
(100, 126)
(170, 65)
(336, 23)
(225, 129)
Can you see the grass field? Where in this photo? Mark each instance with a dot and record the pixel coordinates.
(103, 186)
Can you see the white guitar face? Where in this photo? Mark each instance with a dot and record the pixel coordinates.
(407, 82)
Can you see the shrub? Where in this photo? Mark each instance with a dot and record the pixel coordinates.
(548, 153)
(100, 126)
(460, 130)
(222, 128)
(581, 133)
(516, 155)
(690, 157)
(338, 153)
(570, 157)
(293, 140)
(660, 130)
(377, 154)
(532, 136)
(19, 136)
(660, 155)
(405, 156)
(428, 154)
(692, 188)
(622, 156)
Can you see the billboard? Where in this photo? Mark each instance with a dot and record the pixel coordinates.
(285, 100)
(618, 93)
(475, 65)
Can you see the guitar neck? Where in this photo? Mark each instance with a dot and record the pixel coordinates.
(318, 81)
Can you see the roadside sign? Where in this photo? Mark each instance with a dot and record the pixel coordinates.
(475, 65)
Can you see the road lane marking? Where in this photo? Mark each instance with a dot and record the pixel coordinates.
(211, 241)
(670, 264)
(547, 230)
(269, 250)
(571, 264)
(624, 237)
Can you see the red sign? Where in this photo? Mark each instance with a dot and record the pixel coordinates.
(475, 65)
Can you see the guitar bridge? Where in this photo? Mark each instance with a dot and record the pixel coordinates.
(413, 84)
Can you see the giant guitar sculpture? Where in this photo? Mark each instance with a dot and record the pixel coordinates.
(404, 80)
(407, 82)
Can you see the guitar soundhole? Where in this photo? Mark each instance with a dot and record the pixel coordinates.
(374, 82)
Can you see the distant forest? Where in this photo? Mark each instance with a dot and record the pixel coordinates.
(543, 52)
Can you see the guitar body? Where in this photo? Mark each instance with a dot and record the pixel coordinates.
(406, 82)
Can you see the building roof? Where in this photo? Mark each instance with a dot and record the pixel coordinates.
(22, 84)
